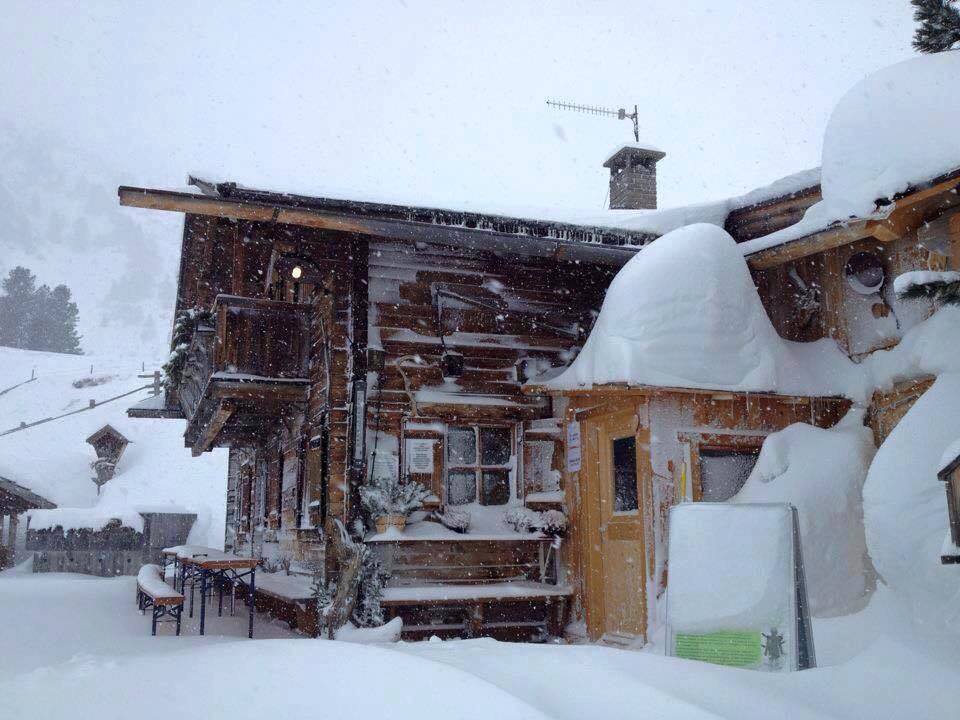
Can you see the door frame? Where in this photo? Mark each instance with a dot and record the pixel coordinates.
(592, 489)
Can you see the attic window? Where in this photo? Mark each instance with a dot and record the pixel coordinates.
(723, 471)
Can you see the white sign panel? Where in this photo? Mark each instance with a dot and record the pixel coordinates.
(420, 457)
(573, 447)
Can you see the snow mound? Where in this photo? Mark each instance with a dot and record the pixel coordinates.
(893, 129)
(903, 504)
(685, 313)
(821, 473)
(709, 547)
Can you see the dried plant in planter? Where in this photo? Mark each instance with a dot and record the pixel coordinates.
(387, 501)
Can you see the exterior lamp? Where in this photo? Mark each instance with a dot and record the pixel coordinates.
(297, 272)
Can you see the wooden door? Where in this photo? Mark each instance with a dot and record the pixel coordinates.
(617, 455)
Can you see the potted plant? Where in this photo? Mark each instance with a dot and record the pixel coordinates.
(388, 502)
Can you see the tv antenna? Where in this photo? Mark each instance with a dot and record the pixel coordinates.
(620, 114)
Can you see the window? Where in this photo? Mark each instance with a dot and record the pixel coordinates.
(478, 464)
(625, 474)
(723, 471)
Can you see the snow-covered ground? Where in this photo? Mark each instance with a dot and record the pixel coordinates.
(53, 460)
(76, 646)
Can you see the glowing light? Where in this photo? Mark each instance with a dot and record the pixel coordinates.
(296, 272)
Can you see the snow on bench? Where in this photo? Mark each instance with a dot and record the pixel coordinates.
(150, 582)
(154, 593)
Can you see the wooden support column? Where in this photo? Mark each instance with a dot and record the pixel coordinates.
(359, 301)
(212, 429)
(12, 534)
(953, 235)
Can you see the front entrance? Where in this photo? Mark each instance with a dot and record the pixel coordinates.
(615, 479)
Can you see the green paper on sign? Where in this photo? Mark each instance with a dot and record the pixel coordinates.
(739, 649)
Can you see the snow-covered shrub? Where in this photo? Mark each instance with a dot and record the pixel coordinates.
(183, 329)
(388, 496)
(456, 520)
(553, 523)
(522, 519)
(323, 595)
(367, 611)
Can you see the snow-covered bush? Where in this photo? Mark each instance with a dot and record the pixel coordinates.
(553, 523)
(456, 520)
(183, 329)
(522, 519)
(385, 495)
(367, 611)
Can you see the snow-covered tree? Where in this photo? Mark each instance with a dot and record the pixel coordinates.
(939, 25)
(37, 318)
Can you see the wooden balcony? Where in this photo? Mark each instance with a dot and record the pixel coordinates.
(243, 370)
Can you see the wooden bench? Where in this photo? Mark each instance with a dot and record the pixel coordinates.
(154, 593)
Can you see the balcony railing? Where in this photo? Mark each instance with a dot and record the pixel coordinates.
(251, 341)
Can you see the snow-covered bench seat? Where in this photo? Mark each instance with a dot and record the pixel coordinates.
(504, 610)
(154, 593)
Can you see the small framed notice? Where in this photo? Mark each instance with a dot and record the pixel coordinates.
(573, 447)
(420, 456)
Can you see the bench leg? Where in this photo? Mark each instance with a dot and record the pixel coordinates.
(193, 585)
(179, 612)
(153, 625)
(253, 600)
(220, 606)
(203, 599)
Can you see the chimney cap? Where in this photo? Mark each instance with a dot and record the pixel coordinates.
(629, 151)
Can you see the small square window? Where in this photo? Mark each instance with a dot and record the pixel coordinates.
(461, 487)
(461, 446)
(496, 487)
(495, 446)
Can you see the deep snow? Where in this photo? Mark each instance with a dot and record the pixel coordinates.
(79, 644)
(155, 472)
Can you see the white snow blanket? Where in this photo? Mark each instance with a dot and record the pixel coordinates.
(821, 473)
(684, 312)
(904, 506)
(155, 473)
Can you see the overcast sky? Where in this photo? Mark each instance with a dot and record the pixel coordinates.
(423, 102)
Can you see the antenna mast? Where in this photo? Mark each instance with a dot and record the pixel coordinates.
(620, 114)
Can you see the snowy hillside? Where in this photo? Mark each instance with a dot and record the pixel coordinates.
(52, 459)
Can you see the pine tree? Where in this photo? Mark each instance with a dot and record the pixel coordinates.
(939, 27)
(17, 307)
(37, 318)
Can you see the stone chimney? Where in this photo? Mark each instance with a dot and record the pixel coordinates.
(633, 177)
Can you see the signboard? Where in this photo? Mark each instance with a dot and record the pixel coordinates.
(737, 593)
(573, 447)
(420, 457)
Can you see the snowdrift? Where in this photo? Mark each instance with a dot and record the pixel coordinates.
(904, 508)
(684, 312)
(821, 472)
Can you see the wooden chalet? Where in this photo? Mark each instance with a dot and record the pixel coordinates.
(335, 338)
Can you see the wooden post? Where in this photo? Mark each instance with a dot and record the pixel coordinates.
(12, 535)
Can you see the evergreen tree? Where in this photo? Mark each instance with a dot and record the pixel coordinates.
(35, 318)
(17, 307)
(939, 27)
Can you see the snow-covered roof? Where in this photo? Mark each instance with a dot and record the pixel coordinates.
(685, 313)
(893, 131)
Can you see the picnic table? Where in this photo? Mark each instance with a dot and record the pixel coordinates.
(208, 565)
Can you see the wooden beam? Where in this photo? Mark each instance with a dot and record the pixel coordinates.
(907, 214)
(212, 429)
(483, 240)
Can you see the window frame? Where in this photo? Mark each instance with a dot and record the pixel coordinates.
(477, 466)
(726, 442)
